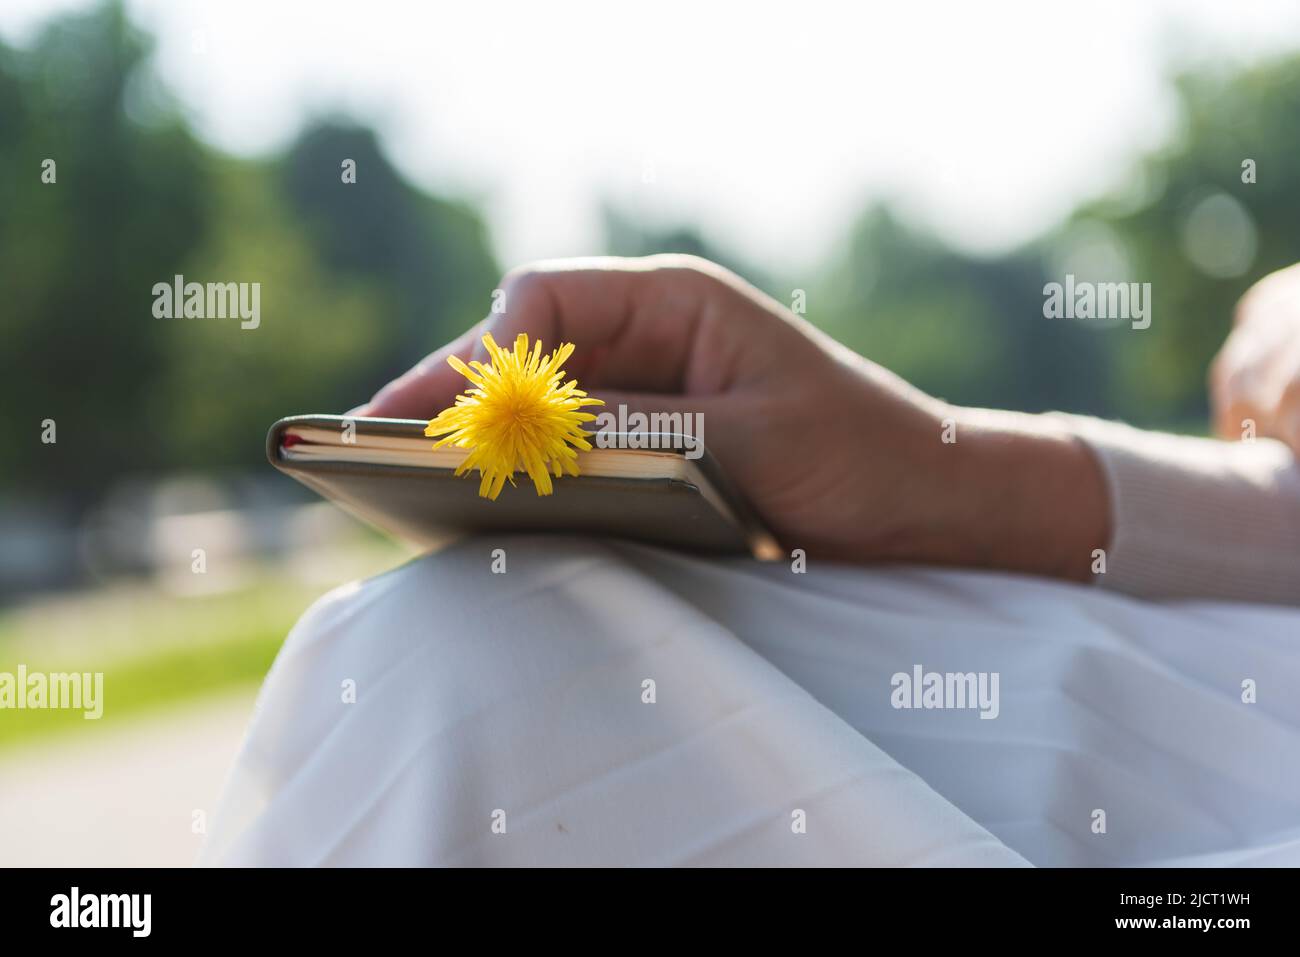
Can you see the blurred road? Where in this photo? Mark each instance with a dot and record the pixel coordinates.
(124, 798)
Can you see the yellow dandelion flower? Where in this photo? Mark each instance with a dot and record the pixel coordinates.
(517, 417)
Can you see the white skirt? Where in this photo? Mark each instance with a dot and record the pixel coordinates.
(608, 703)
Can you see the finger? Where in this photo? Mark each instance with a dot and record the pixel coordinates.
(1232, 420)
(636, 323)
(1240, 390)
(427, 388)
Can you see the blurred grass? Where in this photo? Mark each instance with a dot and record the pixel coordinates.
(156, 649)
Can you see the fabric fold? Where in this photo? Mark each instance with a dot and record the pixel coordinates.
(611, 703)
(508, 719)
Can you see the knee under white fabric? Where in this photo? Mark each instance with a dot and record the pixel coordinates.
(609, 703)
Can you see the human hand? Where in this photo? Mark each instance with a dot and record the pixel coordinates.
(1256, 375)
(839, 456)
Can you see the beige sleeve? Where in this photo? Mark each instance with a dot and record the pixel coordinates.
(1197, 518)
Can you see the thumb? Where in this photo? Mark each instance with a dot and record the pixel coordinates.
(430, 386)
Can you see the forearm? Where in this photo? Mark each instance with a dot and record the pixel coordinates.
(1022, 493)
(1172, 516)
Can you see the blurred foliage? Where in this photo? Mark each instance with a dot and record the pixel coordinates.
(359, 280)
(1226, 119)
(972, 329)
(356, 279)
(77, 259)
(968, 330)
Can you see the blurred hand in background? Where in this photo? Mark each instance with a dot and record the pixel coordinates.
(1256, 375)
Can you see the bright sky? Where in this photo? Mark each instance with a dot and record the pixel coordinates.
(769, 126)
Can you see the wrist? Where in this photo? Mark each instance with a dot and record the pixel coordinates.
(1015, 492)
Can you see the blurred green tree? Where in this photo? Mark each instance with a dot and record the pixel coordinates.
(356, 279)
(1199, 234)
(431, 256)
(968, 329)
(973, 330)
(78, 256)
